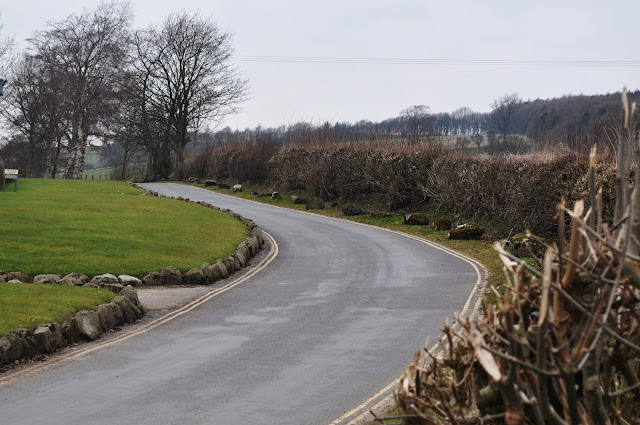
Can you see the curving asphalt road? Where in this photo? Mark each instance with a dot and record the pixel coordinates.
(332, 320)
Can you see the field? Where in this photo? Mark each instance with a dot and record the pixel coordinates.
(95, 227)
(98, 174)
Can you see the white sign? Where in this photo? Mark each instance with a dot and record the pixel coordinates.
(10, 173)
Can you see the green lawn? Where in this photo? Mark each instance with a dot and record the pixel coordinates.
(95, 227)
(26, 305)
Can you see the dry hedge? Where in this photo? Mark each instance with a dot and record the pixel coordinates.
(520, 191)
(563, 346)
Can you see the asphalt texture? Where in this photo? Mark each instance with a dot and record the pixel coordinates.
(333, 319)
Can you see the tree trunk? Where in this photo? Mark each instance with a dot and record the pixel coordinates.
(123, 167)
(56, 157)
(73, 143)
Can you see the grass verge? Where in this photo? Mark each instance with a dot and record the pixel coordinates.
(26, 305)
(95, 227)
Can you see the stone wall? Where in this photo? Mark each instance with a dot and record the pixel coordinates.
(87, 325)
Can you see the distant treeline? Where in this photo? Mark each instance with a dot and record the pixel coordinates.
(574, 121)
(412, 123)
(513, 126)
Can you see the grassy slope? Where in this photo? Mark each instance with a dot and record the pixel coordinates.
(62, 226)
(28, 305)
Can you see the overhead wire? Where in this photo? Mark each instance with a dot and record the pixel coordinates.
(591, 63)
(436, 61)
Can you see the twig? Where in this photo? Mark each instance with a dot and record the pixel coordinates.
(625, 391)
(520, 362)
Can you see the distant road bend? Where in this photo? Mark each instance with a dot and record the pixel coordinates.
(330, 322)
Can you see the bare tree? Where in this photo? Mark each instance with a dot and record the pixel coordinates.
(6, 44)
(477, 139)
(504, 111)
(26, 107)
(415, 120)
(124, 137)
(89, 49)
(34, 111)
(186, 78)
(463, 117)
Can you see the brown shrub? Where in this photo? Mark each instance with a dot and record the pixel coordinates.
(519, 191)
(351, 171)
(196, 164)
(242, 163)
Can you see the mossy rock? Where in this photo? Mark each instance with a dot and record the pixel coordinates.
(315, 204)
(298, 200)
(522, 246)
(470, 230)
(441, 223)
(352, 209)
(415, 219)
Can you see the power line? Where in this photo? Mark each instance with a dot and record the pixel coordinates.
(436, 61)
(601, 63)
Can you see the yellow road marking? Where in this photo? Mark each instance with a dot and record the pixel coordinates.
(359, 409)
(151, 325)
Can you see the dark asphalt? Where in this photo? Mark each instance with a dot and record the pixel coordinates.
(334, 318)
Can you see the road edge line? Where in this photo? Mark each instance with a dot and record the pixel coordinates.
(273, 253)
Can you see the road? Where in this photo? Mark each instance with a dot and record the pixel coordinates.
(331, 321)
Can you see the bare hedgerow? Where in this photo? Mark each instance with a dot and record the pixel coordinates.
(520, 191)
(247, 162)
(563, 346)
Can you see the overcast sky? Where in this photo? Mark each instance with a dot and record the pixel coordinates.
(458, 33)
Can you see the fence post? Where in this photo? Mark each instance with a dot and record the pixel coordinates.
(2, 172)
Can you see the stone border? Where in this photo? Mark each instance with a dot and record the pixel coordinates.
(89, 325)
(203, 275)
(125, 307)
